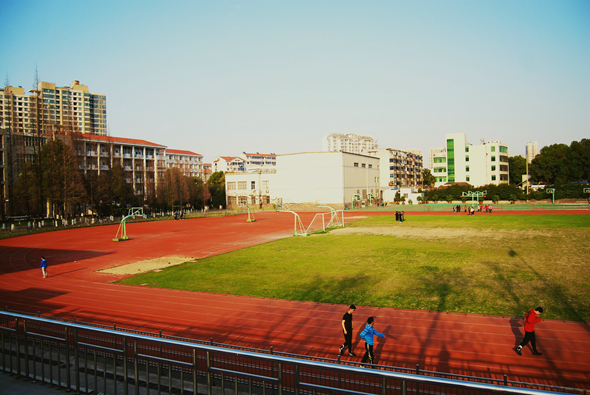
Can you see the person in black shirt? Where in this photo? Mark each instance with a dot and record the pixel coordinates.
(347, 330)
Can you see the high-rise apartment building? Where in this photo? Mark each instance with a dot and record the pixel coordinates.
(531, 151)
(477, 165)
(397, 168)
(49, 108)
(350, 143)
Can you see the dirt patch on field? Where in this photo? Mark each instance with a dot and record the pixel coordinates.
(148, 266)
(438, 233)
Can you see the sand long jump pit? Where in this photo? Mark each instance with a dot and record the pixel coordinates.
(150, 265)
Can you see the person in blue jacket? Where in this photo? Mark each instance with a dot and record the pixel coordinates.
(367, 336)
(44, 266)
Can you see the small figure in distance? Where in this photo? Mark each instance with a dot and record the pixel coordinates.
(531, 318)
(347, 331)
(44, 266)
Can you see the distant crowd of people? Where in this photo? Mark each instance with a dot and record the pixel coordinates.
(470, 210)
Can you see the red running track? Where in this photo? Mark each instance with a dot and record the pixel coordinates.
(455, 343)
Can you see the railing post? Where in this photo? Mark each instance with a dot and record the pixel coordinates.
(26, 349)
(195, 371)
(76, 360)
(68, 376)
(505, 380)
(125, 369)
(280, 378)
(404, 387)
(17, 348)
(135, 367)
(383, 386)
(296, 379)
(209, 384)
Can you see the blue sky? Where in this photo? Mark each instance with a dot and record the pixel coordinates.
(222, 77)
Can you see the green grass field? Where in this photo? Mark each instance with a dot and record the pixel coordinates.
(501, 265)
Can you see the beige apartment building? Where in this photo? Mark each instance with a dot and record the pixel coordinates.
(52, 109)
(143, 162)
(189, 163)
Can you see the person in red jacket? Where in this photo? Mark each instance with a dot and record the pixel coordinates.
(531, 318)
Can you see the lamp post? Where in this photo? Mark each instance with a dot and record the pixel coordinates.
(552, 192)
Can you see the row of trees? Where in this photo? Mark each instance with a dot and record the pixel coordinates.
(556, 165)
(565, 168)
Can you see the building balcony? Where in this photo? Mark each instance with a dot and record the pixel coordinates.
(127, 168)
(127, 156)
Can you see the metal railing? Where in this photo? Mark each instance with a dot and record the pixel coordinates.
(96, 359)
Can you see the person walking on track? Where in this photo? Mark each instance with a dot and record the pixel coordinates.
(531, 318)
(44, 266)
(367, 336)
(347, 331)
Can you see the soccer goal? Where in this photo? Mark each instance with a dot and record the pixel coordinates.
(323, 221)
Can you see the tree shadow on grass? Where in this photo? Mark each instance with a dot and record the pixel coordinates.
(559, 292)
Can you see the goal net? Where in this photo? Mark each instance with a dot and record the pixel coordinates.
(323, 221)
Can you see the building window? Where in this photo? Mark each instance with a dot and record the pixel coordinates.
(356, 164)
(466, 149)
(467, 158)
(364, 165)
(253, 185)
(493, 168)
(231, 186)
(265, 184)
(451, 161)
(370, 166)
(466, 168)
(493, 158)
(242, 185)
(494, 178)
(440, 160)
(493, 149)
(243, 199)
(503, 149)
(467, 178)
